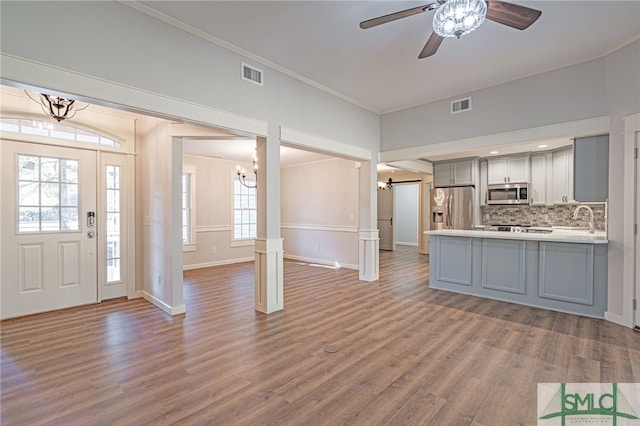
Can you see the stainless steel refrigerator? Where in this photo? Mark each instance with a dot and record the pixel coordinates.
(452, 208)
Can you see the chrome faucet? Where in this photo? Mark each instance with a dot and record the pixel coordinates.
(591, 224)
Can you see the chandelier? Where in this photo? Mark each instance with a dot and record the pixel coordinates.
(386, 185)
(242, 175)
(57, 107)
(459, 17)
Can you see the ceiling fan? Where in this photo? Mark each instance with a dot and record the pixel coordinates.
(455, 18)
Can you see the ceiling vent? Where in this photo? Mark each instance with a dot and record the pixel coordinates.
(251, 74)
(461, 105)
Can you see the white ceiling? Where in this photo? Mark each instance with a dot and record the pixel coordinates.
(378, 68)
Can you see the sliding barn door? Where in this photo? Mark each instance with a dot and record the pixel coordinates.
(385, 219)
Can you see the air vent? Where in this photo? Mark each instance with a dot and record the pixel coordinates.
(460, 105)
(251, 74)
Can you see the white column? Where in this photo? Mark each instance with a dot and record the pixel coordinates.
(369, 239)
(268, 280)
(177, 298)
(268, 244)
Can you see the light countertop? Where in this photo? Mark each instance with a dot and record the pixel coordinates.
(563, 236)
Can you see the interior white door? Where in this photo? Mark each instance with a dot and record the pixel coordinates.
(385, 219)
(48, 231)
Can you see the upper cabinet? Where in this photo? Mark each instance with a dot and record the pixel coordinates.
(538, 193)
(568, 175)
(591, 169)
(508, 170)
(562, 162)
(455, 173)
(483, 183)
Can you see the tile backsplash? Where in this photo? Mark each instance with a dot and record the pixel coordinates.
(546, 216)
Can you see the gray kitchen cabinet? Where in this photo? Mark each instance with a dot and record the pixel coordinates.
(563, 176)
(442, 174)
(503, 265)
(508, 170)
(566, 272)
(454, 260)
(529, 270)
(591, 169)
(454, 173)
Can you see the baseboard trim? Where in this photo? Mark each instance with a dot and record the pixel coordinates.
(400, 243)
(617, 319)
(320, 262)
(171, 310)
(217, 263)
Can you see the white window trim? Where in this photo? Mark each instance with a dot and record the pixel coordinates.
(191, 171)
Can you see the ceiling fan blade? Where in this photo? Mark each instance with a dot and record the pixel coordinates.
(512, 15)
(432, 46)
(397, 15)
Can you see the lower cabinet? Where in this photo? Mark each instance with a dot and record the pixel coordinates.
(560, 276)
(566, 272)
(454, 262)
(503, 265)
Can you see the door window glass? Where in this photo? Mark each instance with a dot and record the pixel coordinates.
(113, 223)
(47, 194)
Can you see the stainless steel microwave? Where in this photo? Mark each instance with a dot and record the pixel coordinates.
(508, 193)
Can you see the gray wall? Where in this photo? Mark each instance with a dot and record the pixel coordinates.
(559, 96)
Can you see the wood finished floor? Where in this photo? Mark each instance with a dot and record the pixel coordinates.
(407, 355)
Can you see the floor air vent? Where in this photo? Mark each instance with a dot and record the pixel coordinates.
(460, 105)
(251, 74)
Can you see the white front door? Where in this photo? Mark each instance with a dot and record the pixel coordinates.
(48, 229)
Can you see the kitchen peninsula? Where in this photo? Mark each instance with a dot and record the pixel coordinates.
(561, 270)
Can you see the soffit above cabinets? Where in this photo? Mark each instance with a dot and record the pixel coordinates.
(497, 151)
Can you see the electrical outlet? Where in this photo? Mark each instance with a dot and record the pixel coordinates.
(214, 249)
(351, 217)
(159, 279)
(317, 247)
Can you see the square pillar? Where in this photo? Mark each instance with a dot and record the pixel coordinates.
(268, 275)
(268, 244)
(368, 236)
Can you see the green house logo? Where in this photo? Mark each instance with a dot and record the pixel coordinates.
(589, 403)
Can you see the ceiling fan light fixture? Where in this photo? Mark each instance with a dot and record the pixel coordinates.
(456, 18)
